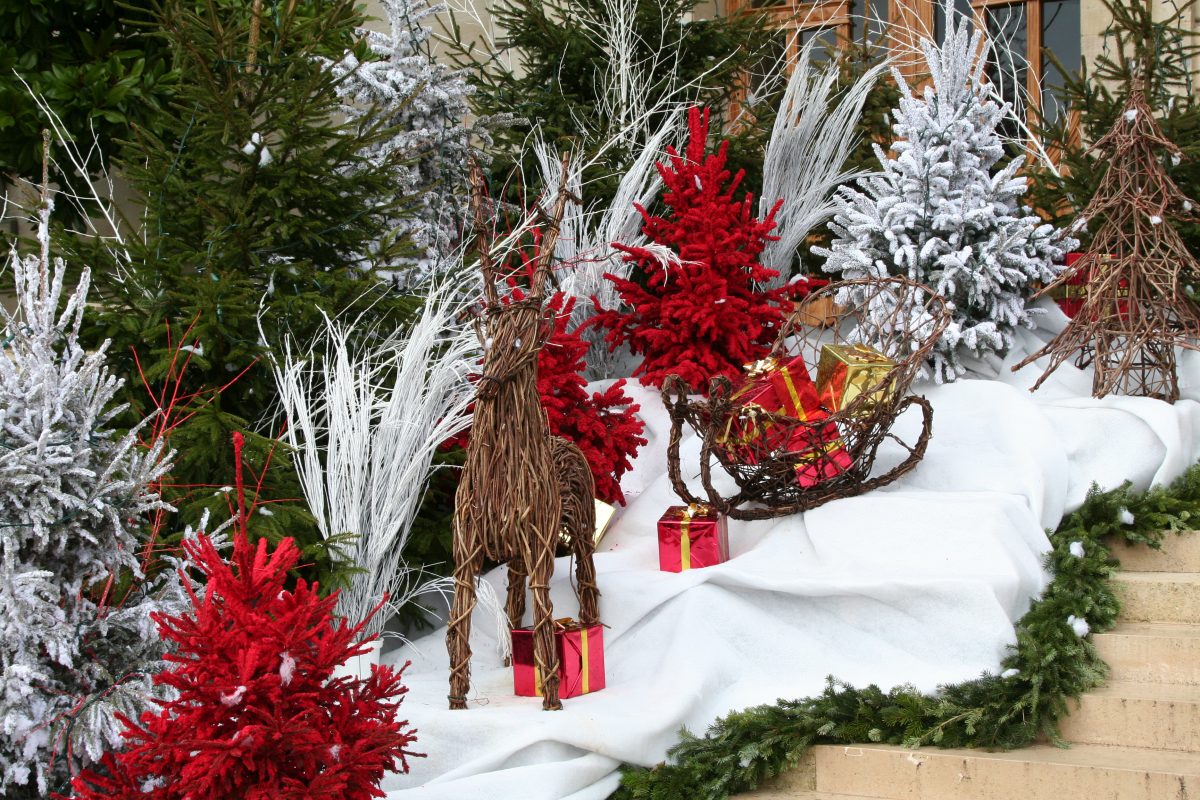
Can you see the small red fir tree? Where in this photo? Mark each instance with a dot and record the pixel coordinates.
(258, 715)
(604, 425)
(701, 315)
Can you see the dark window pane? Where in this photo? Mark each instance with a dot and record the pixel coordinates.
(877, 13)
(826, 41)
(868, 19)
(1060, 36)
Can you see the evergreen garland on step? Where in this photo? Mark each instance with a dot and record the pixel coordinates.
(1053, 661)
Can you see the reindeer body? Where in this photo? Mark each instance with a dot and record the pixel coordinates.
(520, 489)
(512, 462)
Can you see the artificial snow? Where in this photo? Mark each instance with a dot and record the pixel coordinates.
(287, 668)
(918, 582)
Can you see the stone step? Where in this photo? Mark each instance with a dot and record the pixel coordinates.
(1159, 596)
(1147, 652)
(788, 794)
(1042, 772)
(1160, 716)
(1180, 553)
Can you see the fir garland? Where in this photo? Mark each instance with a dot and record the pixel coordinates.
(1050, 663)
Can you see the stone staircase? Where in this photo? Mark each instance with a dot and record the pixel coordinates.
(1137, 738)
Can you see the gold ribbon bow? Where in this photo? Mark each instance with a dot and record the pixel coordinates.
(685, 536)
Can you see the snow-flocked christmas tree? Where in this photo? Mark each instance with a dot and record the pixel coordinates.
(76, 638)
(945, 212)
(425, 104)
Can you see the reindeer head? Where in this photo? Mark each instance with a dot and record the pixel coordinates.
(513, 334)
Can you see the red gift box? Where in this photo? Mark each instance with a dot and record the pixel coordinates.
(1071, 295)
(788, 390)
(690, 537)
(822, 460)
(772, 387)
(580, 660)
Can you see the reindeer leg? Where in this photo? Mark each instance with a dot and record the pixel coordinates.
(545, 653)
(468, 562)
(576, 490)
(515, 607)
(582, 543)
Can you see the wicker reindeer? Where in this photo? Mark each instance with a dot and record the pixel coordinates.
(521, 488)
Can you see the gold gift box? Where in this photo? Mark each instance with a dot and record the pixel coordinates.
(846, 371)
(604, 517)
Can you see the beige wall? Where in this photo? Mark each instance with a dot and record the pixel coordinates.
(479, 20)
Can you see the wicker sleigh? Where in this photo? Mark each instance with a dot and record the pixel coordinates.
(768, 487)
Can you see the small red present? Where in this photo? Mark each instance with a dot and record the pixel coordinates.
(690, 537)
(822, 460)
(580, 660)
(1070, 296)
(785, 389)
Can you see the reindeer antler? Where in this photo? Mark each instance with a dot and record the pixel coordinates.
(553, 226)
(482, 244)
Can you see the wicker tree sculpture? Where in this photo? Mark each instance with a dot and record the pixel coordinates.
(1135, 312)
(520, 488)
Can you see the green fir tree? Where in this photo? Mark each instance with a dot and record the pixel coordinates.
(552, 66)
(261, 213)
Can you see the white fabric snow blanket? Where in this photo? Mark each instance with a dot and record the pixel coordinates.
(916, 583)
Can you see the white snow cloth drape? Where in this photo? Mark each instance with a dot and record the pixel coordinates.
(917, 583)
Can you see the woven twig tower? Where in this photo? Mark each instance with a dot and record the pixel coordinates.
(1135, 312)
(520, 487)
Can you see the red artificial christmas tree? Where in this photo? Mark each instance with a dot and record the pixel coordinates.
(703, 314)
(258, 714)
(604, 425)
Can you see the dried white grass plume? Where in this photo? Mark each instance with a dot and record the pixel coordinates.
(584, 249)
(365, 425)
(809, 145)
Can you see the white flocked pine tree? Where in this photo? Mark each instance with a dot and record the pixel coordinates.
(76, 639)
(944, 211)
(426, 104)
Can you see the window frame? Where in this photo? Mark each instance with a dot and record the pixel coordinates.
(795, 16)
(906, 18)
